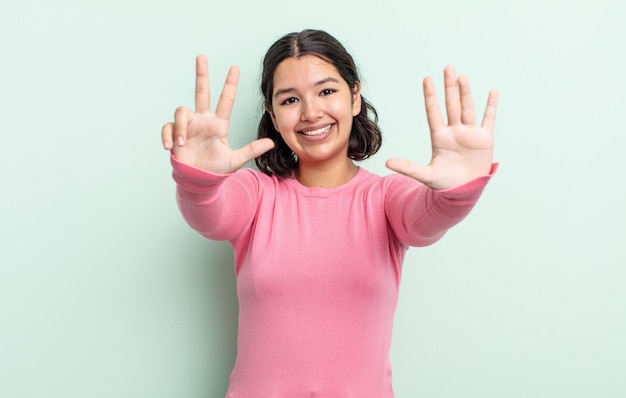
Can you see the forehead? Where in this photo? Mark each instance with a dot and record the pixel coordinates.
(307, 69)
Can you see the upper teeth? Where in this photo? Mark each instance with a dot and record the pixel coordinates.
(318, 131)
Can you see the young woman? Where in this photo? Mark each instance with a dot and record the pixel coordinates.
(319, 242)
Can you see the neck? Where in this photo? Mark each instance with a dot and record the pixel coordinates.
(326, 176)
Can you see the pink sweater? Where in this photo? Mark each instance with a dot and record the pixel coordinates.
(318, 272)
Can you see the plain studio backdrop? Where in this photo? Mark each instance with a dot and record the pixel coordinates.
(106, 292)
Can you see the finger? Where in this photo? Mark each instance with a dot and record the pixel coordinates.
(166, 136)
(433, 113)
(453, 102)
(468, 114)
(227, 98)
(181, 120)
(489, 118)
(252, 150)
(203, 95)
(410, 169)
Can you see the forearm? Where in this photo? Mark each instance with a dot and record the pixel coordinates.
(215, 205)
(421, 216)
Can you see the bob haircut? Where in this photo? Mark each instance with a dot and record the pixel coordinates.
(365, 137)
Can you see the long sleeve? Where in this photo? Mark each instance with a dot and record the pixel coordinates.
(420, 216)
(218, 206)
(318, 271)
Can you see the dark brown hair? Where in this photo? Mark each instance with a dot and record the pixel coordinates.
(365, 137)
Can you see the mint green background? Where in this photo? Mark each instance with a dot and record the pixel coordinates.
(106, 292)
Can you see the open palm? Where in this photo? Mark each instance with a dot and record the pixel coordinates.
(461, 150)
(200, 138)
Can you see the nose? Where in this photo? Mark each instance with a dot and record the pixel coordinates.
(311, 111)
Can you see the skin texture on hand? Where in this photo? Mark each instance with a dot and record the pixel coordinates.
(461, 150)
(200, 138)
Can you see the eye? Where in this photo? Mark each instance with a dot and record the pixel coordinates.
(327, 91)
(289, 100)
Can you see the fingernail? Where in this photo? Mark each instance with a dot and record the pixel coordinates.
(180, 140)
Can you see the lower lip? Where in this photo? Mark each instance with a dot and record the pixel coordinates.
(318, 137)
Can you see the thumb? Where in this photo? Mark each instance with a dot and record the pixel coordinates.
(410, 169)
(253, 150)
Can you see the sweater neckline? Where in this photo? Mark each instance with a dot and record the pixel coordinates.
(326, 192)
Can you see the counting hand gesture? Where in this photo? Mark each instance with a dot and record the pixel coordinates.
(200, 138)
(461, 150)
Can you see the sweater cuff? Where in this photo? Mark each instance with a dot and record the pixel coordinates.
(194, 179)
(472, 188)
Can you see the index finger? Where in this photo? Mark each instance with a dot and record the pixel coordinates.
(203, 95)
(227, 98)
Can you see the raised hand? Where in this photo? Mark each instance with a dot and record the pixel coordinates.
(200, 138)
(461, 150)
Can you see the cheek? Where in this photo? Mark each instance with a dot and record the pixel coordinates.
(284, 121)
(345, 111)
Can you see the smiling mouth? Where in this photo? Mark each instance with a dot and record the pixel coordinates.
(315, 132)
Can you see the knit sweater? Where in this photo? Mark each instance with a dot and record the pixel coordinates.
(318, 272)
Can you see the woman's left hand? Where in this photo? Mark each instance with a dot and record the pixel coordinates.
(461, 150)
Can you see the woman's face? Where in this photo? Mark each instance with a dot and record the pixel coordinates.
(312, 109)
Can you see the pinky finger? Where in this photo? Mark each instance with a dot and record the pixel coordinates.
(181, 119)
(489, 118)
(166, 136)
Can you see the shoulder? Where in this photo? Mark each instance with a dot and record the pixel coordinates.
(253, 178)
(389, 182)
(385, 188)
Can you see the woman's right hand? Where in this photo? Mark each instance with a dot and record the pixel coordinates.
(200, 138)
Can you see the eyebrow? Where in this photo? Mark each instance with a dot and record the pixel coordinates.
(319, 83)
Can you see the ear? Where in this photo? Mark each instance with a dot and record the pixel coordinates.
(356, 98)
(269, 110)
